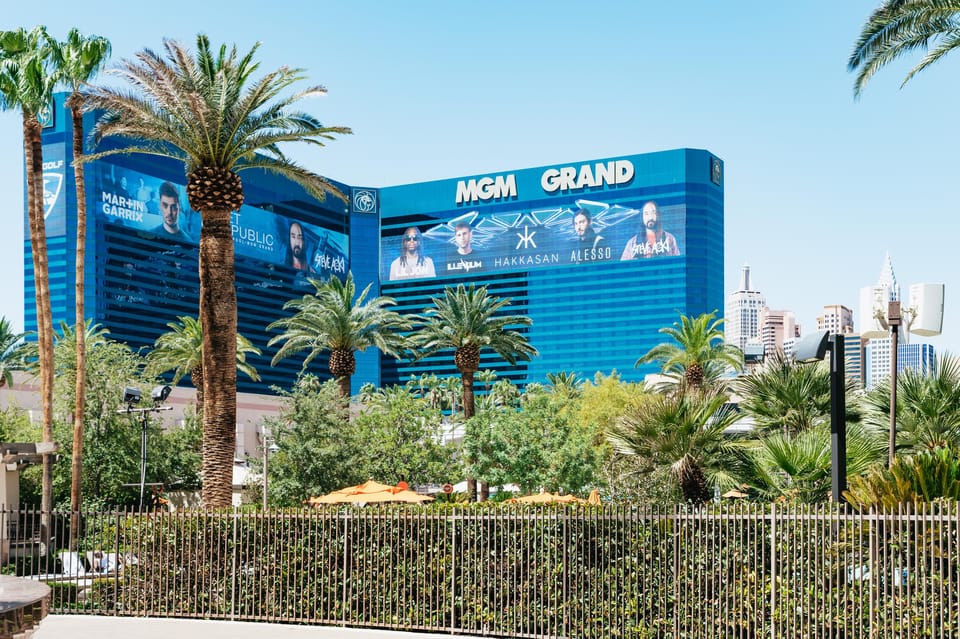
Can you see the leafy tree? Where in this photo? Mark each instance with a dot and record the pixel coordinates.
(468, 320)
(542, 445)
(75, 62)
(317, 452)
(11, 353)
(405, 430)
(899, 27)
(207, 111)
(181, 350)
(684, 432)
(338, 320)
(786, 396)
(26, 84)
(928, 407)
(698, 356)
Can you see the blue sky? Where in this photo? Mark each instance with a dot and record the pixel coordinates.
(818, 186)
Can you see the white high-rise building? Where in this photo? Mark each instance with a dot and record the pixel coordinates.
(742, 319)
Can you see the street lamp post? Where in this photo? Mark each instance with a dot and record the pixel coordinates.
(893, 321)
(131, 396)
(814, 348)
(268, 447)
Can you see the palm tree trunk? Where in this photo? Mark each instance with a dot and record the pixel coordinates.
(466, 379)
(33, 154)
(196, 378)
(343, 383)
(76, 467)
(218, 322)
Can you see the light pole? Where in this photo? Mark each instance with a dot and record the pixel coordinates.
(132, 396)
(268, 447)
(893, 320)
(814, 348)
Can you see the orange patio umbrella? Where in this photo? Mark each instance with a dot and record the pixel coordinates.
(371, 492)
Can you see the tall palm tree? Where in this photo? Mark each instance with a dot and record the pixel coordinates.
(26, 84)
(181, 350)
(468, 320)
(11, 353)
(206, 111)
(338, 320)
(698, 356)
(76, 61)
(899, 27)
(684, 432)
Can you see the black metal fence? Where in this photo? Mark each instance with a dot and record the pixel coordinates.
(612, 571)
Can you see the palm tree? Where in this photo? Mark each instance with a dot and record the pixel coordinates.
(797, 465)
(898, 27)
(790, 397)
(27, 85)
(336, 319)
(75, 62)
(928, 407)
(181, 350)
(207, 112)
(698, 356)
(684, 432)
(468, 320)
(11, 353)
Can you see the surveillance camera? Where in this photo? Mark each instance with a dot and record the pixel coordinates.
(159, 394)
(131, 395)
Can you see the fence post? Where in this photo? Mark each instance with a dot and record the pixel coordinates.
(346, 540)
(233, 567)
(453, 572)
(773, 567)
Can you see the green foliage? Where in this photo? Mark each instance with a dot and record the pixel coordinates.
(11, 353)
(336, 318)
(180, 350)
(405, 431)
(789, 397)
(318, 450)
(541, 445)
(927, 476)
(469, 316)
(900, 27)
(684, 432)
(797, 467)
(698, 356)
(928, 407)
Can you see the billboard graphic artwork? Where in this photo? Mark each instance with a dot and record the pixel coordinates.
(585, 232)
(147, 204)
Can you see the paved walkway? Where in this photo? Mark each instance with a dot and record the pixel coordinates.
(77, 626)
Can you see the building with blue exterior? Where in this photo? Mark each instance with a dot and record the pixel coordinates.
(600, 254)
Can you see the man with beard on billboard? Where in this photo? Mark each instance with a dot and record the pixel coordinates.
(651, 240)
(589, 245)
(412, 262)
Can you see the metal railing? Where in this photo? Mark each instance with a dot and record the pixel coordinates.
(613, 571)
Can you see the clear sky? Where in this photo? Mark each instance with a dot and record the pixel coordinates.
(818, 186)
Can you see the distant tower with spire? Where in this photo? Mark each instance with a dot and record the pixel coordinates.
(742, 319)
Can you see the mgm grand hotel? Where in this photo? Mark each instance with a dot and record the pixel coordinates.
(599, 253)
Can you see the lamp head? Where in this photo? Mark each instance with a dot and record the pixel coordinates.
(131, 395)
(813, 347)
(159, 394)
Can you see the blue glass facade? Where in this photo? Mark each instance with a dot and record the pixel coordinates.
(591, 310)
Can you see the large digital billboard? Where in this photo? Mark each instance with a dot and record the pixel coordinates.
(146, 204)
(582, 232)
